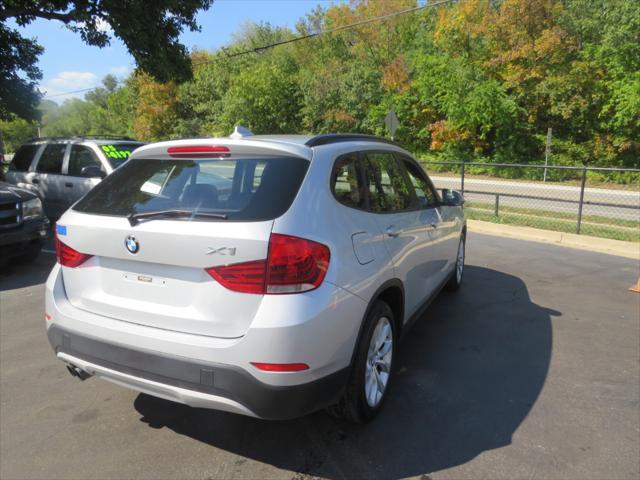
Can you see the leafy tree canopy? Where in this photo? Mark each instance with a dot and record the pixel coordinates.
(150, 30)
(475, 80)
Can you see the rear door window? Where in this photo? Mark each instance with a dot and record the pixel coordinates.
(51, 158)
(81, 156)
(246, 189)
(387, 187)
(23, 158)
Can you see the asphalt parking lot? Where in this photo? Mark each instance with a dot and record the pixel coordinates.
(532, 370)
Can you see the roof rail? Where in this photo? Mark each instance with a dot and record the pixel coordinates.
(77, 137)
(106, 136)
(40, 139)
(327, 139)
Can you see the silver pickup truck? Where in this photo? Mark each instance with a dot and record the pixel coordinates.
(62, 170)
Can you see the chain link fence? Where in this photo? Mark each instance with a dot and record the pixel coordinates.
(603, 202)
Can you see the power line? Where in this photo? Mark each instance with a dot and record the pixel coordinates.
(295, 39)
(325, 32)
(72, 92)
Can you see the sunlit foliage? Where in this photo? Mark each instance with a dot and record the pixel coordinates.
(475, 80)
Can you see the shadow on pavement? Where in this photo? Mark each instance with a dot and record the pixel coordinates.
(468, 375)
(14, 275)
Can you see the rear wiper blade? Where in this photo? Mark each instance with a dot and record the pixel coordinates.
(136, 218)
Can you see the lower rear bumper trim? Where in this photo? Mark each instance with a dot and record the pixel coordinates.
(195, 383)
(168, 392)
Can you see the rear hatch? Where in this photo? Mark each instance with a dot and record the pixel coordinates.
(137, 247)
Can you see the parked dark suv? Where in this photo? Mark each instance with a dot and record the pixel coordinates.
(23, 226)
(62, 170)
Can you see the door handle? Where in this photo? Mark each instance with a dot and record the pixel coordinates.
(35, 181)
(68, 184)
(392, 231)
(433, 225)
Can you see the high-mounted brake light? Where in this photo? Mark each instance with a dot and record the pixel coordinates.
(280, 367)
(293, 265)
(198, 151)
(68, 257)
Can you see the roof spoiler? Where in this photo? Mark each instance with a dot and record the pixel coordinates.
(326, 139)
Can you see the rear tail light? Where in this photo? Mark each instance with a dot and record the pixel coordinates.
(245, 277)
(293, 265)
(68, 257)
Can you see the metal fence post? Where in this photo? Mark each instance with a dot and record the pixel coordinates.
(497, 208)
(462, 179)
(582, 184)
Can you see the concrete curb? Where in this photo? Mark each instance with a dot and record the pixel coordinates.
(581, 242)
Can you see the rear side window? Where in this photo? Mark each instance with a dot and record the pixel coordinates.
(81, 156)
(346, 182)
(244, 189)
(23, 158)
(386, 185)
(51, 159)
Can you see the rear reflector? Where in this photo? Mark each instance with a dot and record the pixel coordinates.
(280, 367)
(293, 265)
(198, 151)
(68, 257)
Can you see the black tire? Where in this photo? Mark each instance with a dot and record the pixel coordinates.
(353, 405)
(455, 281)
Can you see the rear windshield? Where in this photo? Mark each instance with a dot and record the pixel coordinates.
(119, 152)
(247, 189)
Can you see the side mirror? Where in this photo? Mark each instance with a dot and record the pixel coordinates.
(92, 171)
(452, 198)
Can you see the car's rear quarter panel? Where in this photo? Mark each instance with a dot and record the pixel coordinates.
(317, 215)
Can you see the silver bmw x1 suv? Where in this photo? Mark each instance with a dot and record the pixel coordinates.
(269, 276)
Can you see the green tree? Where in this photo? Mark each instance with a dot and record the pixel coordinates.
(18, 75)
(15, 131)
(150, 30)
(479, 80)
(105, 110)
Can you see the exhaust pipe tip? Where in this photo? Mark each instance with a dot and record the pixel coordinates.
(77, 372)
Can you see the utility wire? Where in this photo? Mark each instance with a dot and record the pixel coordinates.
(295, 39)
(325, 32)
(73, 91)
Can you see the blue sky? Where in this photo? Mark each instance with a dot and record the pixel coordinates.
(68, 64)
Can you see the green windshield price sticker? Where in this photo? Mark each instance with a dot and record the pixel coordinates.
(112, 152)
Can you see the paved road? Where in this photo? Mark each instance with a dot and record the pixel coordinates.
(626, 198)
(531, 371)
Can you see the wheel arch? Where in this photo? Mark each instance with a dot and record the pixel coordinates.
(391, 292)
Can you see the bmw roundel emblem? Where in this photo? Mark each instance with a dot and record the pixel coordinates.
(132, 244)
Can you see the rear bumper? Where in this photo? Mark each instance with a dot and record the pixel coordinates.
(215, 372)
(221, 387)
